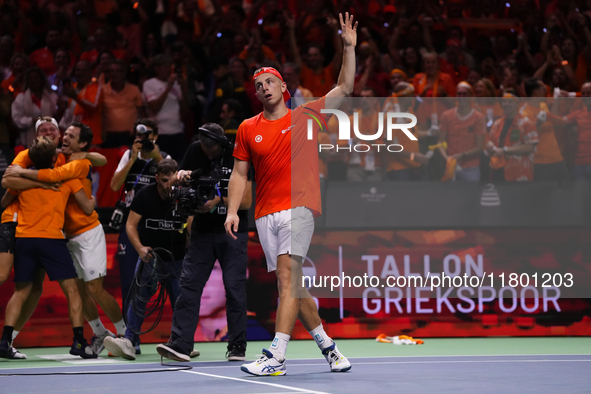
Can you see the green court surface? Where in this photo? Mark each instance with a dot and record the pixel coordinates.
(357, 348)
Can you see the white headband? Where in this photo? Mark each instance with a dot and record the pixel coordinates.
(44, 120)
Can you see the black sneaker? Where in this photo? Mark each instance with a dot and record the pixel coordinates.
(172, 352)
(82, 349)
(236, 354)
(5, 348)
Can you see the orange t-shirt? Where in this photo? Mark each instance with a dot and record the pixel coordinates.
(120, 109)
(461, 133)
(582, 118)
(367, 125)
(521, 131)
(547, 151)
(318, 84)
(93, 118)
(42, 211)
(10, 214)
(285, 161)
(77, 222)
(443, 80)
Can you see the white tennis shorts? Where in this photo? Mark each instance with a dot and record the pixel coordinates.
(285, 232)
(89, 252)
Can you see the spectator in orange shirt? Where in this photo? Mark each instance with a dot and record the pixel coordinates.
(366, 166)
(486, 101)
(122, 106)
(87, 100)
(409, 164)
(582, 119)
(463, 129)
(104, 40)
(512, 142)
(548, 161)
(314, 75)
(43, 57)
(255, 54)
(432, 82)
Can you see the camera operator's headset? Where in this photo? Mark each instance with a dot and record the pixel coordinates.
(221, 139)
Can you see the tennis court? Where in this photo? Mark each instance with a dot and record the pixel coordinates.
(458, 365)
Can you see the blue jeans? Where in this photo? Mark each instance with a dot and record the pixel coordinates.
(200, 258)
(127, 258)
(137, 306)
(470, 174)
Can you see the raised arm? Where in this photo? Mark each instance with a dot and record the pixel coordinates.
(122, 171)
(346, 80)
(293, 44)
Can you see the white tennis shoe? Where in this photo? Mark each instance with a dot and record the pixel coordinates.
(336, 360)
(266, 365)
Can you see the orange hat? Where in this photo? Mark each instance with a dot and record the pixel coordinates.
(271, 70)
(399, 71)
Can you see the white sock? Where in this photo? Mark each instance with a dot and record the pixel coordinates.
(121, 327)
(97, 327)
(322, 339)
(14, 334)
(279, 345)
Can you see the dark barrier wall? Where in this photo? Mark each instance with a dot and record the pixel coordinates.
(455, 205)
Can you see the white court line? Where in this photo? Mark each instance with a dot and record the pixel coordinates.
(258, 382)
(419, 362)
(24, 366)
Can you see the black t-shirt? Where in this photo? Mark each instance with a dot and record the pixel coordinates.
(195, 159)
(157, 227)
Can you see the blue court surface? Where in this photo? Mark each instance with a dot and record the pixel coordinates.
(528, 365)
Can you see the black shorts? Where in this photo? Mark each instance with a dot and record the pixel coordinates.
(51, 254)
(7, 240)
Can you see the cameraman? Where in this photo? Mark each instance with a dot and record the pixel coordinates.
(212, 154)
(154, 233)
(136, 169)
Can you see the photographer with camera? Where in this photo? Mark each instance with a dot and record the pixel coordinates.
(156, 234)
(207, 161)
(136, 169)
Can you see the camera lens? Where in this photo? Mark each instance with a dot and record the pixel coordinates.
(147, 145)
